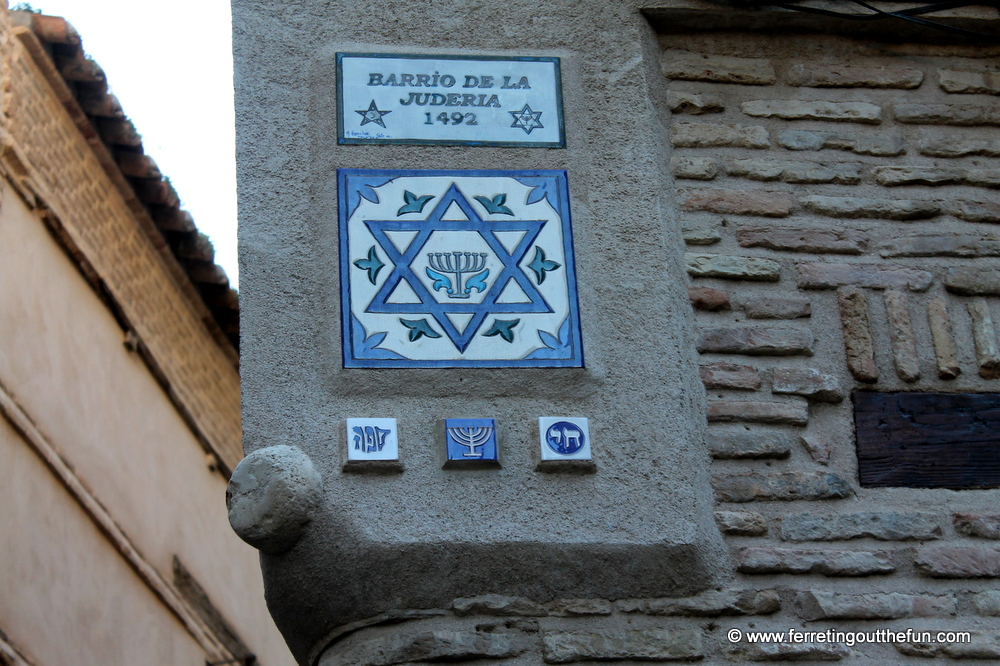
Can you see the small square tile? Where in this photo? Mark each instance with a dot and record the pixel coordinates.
(471, 441)
(564, 438)
(372, 439)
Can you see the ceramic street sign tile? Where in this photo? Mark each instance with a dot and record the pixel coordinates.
(470, 442)
(564, 438)
(452, 100)
(372, 439)
(457, 268)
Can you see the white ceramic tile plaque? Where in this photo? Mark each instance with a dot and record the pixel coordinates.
(372, 439)
(564, 438)
(455, 100)
(457, 268)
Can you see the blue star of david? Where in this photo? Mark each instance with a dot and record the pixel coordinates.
(428, 305)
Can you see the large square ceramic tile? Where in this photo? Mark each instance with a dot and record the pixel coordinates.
(457, 268)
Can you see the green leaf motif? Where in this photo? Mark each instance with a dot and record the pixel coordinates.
(495, 206)
(412, 203)
(503, 328)
(372, 264)
(419, 328)
(540, 265)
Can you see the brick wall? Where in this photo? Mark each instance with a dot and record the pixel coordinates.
(838, 200)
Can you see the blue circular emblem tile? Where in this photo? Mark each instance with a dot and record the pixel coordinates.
(565, 438)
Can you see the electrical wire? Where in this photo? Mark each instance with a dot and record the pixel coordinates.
(912, 15)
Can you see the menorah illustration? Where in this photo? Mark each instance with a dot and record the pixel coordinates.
(457, 264)
(472, 437)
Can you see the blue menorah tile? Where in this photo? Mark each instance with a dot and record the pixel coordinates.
(470, 442)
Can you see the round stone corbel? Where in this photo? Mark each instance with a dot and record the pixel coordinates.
(271, 497)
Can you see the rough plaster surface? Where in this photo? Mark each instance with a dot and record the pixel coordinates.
(62, 357)
(641, 525)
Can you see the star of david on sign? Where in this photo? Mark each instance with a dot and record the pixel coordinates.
(457, 269)
(527, 119)
(372, 115)
(405, 270)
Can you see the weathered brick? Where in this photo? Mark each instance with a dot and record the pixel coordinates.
(904, 342)
(943, 245)
(694, 168)
(982, 645)
(688, 66)
(852, 76)
(645, 644)
(987, 603)
(733, 268)
(975, 211)
(910, 175)
(958, 81)
(714, 135)
(979, 526)
(872, 276)
(884, 146)
(985, 337)
(797, 109)
(795, 172)
(826, 562)
(804, 239)
(755, 341)
(973, 281)
(701, 235)
(753, 486)
(495, 604)
(713, 603)
(786, 413)
(897, 175)
(730, 376)
(739, 202)
(401, 648)
(881, 525)
(858, 344)
(822, 605)
(945, 351)
(817, 447)
(749, 444)
(947, 114)
(693, 103)
(789, 652)
(959, 562)
(886, 209)
(954, 146)
(807, 382)
(707, 298)
(741, 523)
(579, 607)
(776, 307)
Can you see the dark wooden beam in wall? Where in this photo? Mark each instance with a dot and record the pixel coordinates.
(928, 440)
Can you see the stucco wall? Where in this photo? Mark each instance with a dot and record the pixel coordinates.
(67, 591)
